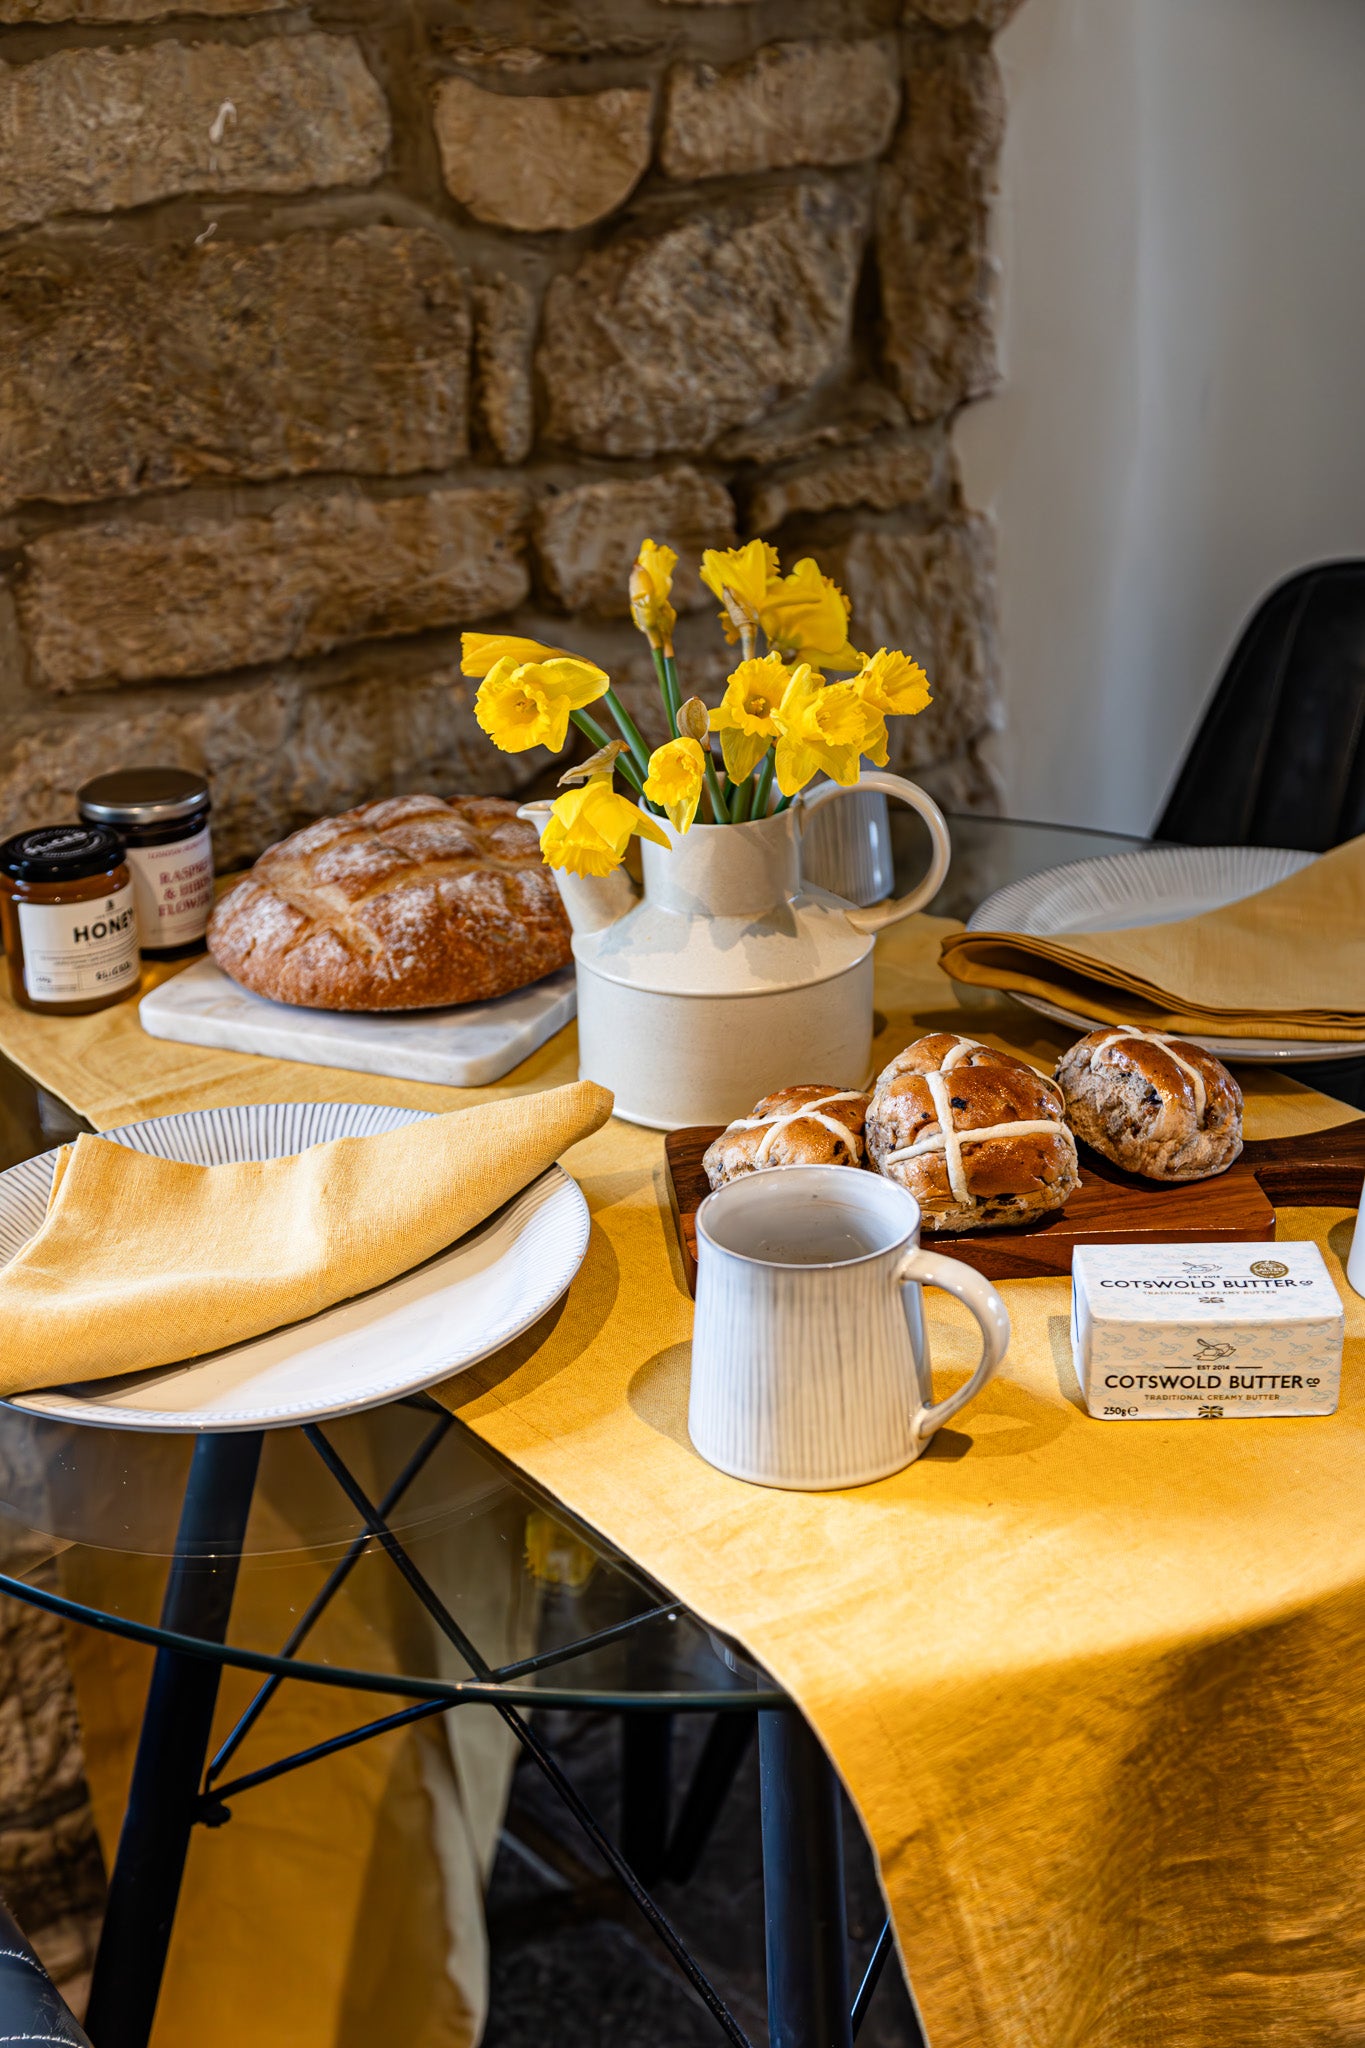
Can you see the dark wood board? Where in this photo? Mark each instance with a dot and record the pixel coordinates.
(1109, 1206)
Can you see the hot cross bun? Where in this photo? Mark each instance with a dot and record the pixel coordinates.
(1154, 1104)
(809, 1125)
(975, 1135)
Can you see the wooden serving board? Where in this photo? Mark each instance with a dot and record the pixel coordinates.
(1109, 1207)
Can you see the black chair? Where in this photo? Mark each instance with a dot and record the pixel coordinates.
(31, 2007)
(1279, 759)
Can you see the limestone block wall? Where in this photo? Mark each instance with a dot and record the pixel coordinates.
(328, 331)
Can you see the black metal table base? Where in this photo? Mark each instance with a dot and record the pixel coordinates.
(163, 1799)
(803, 1888)
(173, 1784)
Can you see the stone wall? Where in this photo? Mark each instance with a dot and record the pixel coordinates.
(327, 332)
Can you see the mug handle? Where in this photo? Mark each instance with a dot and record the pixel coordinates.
(932, 1269)
(879, 915)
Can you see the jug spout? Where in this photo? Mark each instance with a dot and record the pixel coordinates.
(592, 901)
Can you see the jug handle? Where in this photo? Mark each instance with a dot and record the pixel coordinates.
(933, 1269)
(880, 915)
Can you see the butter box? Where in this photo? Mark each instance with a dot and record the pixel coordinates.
(1205, 1330)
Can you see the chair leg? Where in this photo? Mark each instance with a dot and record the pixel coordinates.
(722, 1754)
(163, 1800)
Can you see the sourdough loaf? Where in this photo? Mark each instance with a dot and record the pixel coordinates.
(410, 903)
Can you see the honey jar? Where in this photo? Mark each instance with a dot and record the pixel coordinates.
(68, 919)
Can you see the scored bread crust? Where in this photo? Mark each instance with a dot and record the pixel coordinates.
(786, 1140)
(1136, 1099)
(1009, 1179)
(409, 903)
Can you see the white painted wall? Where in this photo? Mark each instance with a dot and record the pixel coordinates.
(1182, 422)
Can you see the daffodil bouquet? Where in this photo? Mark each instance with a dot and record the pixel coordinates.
(779, 722)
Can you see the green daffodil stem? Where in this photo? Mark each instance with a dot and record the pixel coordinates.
(629, 730)
(719, 809)
(764, 788)
(666, 668)
(600, 737)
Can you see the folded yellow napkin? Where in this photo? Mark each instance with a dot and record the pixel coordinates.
(1288, 962)
(141, 1261)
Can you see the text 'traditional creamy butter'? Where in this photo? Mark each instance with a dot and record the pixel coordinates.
(1206, 1331)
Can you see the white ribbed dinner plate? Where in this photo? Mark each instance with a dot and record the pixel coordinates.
(409, 1334)
(1152, 885)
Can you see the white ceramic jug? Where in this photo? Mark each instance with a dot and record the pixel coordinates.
(728, 978)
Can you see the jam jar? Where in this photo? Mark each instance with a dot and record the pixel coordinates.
(162, 817)
(68, 918)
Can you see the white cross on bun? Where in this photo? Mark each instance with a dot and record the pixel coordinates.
(1154, 1104)
(975, 1135)
(809, 1125)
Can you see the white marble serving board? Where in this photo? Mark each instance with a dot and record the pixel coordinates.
(463, 1047)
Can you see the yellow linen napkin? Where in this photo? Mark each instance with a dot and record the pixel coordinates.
(1288, 962)
(142, 1262)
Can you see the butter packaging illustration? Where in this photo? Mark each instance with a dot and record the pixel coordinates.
(1205, 1331)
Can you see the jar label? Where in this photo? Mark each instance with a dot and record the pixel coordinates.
(173, 886)
(74, 950)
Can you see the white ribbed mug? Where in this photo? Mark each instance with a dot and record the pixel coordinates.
(810, 1361)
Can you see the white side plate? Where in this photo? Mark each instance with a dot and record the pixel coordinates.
(467, 1046)
(1152, 885)
(409, 1334)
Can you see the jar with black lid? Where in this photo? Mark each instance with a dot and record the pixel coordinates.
(162, 817)
(68, 919)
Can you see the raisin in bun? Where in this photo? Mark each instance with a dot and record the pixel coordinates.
(975, 1135)
(809, 1125)
(1154, 1104)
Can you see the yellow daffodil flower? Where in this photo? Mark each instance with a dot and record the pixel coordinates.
(739, 577)
(805, 616)
(589, 828)
(527, 704)
(676, 774)
(651, 581)
(823, 725)
(893, 684)
(480, 651)
(746, 717)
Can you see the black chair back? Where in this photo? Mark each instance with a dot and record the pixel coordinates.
(1279, 759)
(31, 2008)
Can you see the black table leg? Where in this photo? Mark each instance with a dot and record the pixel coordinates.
(803, 1888)
(646, 1763)
(173, 1744)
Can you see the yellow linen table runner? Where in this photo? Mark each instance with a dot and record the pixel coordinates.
(143, 1261)
(1288, 962)
(1093, 1686)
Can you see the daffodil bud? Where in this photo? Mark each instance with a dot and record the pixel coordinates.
(742, 618)
(694, 720)
(602, 762)
(651, 580)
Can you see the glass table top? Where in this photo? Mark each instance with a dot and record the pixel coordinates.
(89, 1517)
